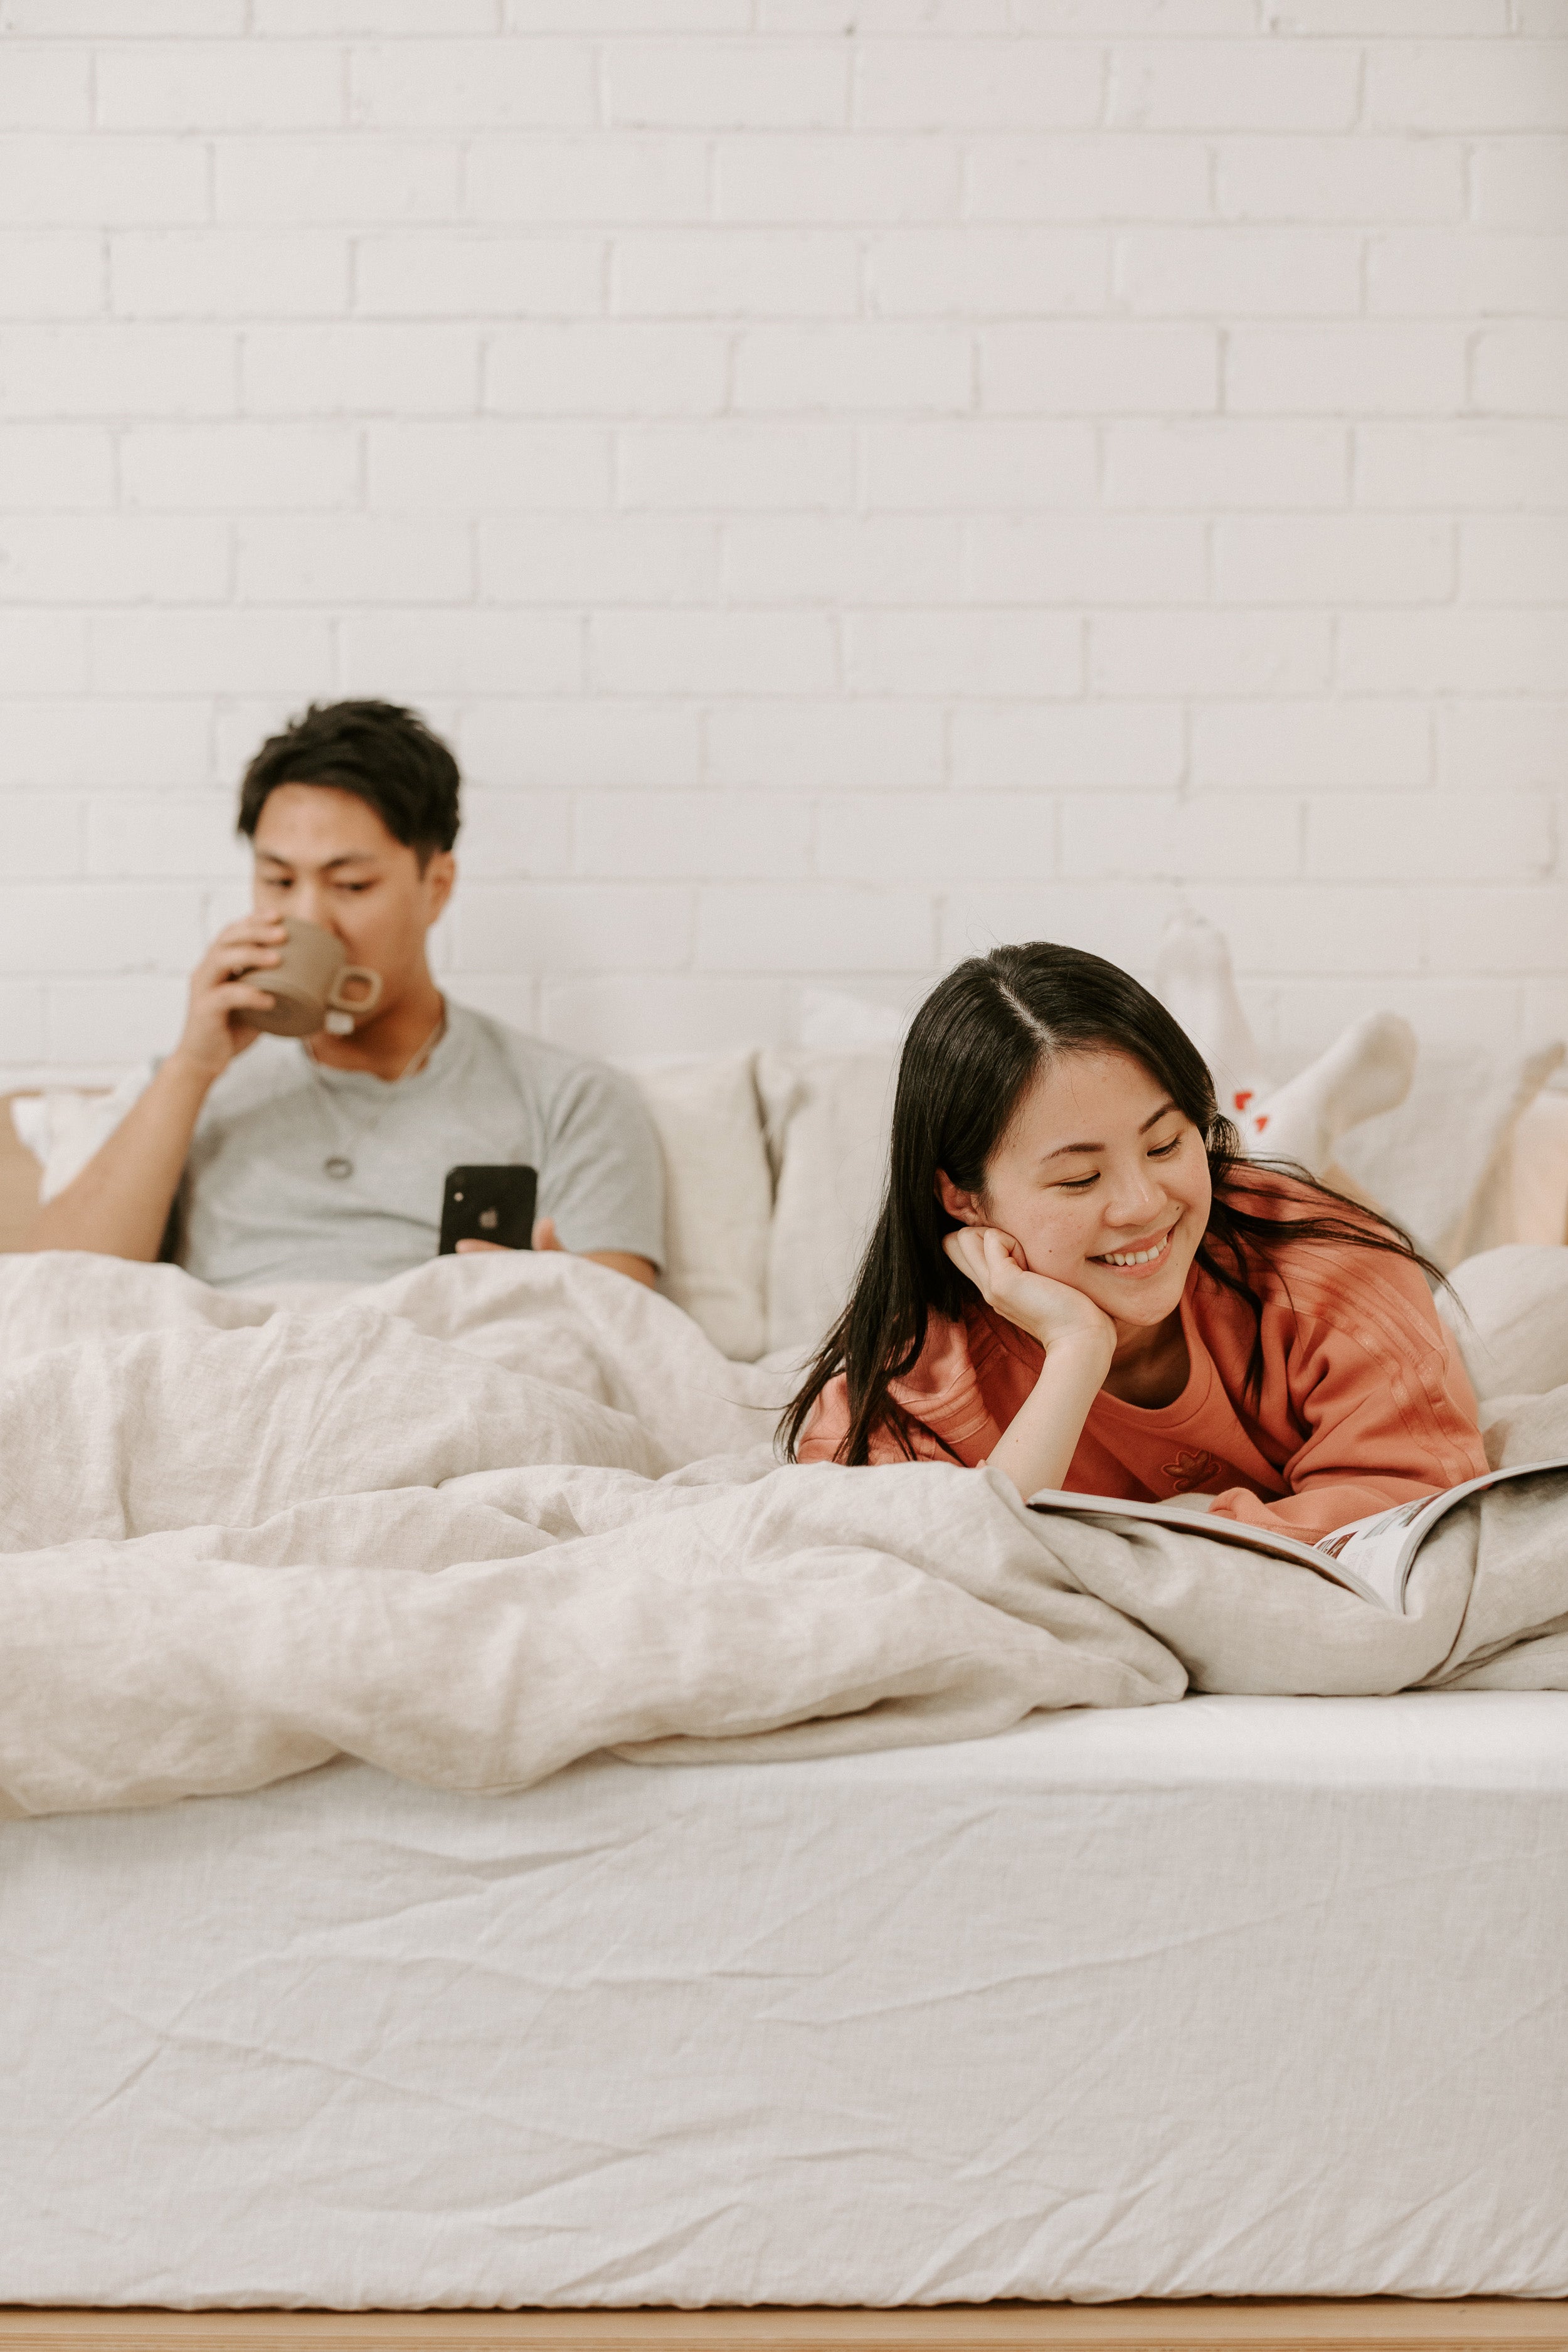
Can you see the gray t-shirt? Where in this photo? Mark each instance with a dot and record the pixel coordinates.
(257, 1206)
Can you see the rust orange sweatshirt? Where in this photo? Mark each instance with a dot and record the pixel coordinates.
(1364, 1400)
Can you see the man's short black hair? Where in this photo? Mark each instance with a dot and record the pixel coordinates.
(384, 755)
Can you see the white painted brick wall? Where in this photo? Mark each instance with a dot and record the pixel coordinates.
(855, 479)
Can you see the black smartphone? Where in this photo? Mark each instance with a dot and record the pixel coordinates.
(488, 1204)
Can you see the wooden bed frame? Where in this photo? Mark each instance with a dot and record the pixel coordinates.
(1475, 2325)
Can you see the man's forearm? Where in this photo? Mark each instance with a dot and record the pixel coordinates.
(628, 1262)
(120, 1203)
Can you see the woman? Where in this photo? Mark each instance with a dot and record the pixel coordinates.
(1075, 1277)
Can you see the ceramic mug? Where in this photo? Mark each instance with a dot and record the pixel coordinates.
(314, 980)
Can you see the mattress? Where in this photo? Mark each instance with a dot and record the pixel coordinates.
(1233, 1997)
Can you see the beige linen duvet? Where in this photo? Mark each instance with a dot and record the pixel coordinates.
(502, 1513)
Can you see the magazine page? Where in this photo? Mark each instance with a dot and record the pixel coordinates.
(1378, 1552)
(1370, 1554)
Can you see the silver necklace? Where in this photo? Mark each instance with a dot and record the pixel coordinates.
(339, 1162)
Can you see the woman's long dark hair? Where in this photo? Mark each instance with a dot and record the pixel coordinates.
(972, 1048)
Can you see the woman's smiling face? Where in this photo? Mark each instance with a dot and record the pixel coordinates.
(1103, 1183)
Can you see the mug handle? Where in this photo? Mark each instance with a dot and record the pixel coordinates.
(366, 1004)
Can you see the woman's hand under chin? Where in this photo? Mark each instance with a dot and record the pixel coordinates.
(1059, 1316)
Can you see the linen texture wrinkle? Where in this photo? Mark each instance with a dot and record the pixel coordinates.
(878, 2029)
(503, 1513)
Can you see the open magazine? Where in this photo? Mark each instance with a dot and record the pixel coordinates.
(1371, 1556)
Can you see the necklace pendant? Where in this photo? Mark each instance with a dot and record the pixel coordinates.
(338, 1165)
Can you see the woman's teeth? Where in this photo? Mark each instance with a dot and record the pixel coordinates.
(1138, 1257)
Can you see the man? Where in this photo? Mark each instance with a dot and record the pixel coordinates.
(252, 1159)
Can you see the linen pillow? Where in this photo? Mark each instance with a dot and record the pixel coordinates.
(1513, 1330)
(1442, 1162)
(65, 1126)
(1539, 1169)
(718, 1194)
(826, 1116)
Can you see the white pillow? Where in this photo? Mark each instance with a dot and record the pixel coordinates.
(718, 1195)
(826, 1118)
(30, 1121)
(1442, 1162)
(64, 1128)
(1514, 1331)
(1539, 1173)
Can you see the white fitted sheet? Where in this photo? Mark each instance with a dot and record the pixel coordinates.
(1240, 1996)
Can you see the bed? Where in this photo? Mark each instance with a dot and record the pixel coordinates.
(1239, 1997)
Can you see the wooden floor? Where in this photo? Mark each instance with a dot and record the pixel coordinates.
(1473, 2326)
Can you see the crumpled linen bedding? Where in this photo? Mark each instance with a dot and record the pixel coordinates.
(500, 1514)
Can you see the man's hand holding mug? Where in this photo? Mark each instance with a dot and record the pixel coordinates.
(217, 1028)
(315, 986)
